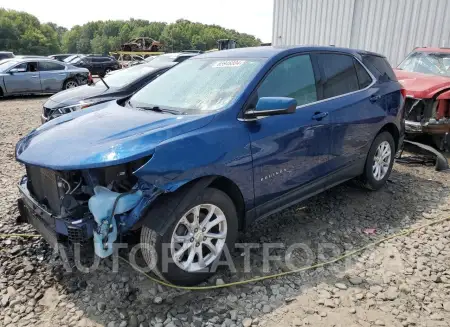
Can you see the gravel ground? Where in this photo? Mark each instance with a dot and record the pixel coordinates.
(401, 282)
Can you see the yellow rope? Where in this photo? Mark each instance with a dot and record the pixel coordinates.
(257, 279)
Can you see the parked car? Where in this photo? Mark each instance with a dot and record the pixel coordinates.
(174, 57)
(6, 55)
(60, 57)
(209, 147)
(425, 74)
(25, 76)
(97, 65)
(117, 85)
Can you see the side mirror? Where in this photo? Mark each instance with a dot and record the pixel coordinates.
(272, 106)
(17, 70)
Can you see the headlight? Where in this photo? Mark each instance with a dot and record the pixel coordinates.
(53, 113)
(80, 105)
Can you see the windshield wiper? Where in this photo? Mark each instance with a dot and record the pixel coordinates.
(158, 109)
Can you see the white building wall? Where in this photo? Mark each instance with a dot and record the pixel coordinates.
(390, 27)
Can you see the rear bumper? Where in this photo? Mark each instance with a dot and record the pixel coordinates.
(53, 228)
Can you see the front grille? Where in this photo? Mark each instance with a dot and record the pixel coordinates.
(77, 235)
(42, 184)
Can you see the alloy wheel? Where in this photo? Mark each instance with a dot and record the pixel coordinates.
(71, 85)
(381, 160)
(199, 237)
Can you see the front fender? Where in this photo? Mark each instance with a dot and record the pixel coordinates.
(219, 149)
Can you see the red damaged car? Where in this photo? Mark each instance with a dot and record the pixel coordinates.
(425, 74)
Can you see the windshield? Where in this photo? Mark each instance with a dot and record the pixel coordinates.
(433, 63)
(122, 77)
(7, 64)
(71, 58)
(198, 85)
(76, 60)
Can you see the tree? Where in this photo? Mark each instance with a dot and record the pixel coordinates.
(23, 33)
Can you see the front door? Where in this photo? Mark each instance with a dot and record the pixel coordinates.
(292, 150)
(24, 79)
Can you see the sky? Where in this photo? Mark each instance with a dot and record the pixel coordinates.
(246, 16)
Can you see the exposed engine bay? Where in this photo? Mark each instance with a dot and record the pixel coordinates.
(99, 203)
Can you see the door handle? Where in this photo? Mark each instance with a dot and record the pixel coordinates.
(319, 115)
(35, 76)
(62, 74)
(375, 98)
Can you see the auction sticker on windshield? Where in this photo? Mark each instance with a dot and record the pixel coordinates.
(228, 63)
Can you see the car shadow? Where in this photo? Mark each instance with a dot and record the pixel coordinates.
(340, 219)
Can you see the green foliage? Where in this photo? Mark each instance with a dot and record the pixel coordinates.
(22, 33)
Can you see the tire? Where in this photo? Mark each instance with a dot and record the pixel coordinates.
(70, 84)
(107, 70)
(372, 178)
(153, 243)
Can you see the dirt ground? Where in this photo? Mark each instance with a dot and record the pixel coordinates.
(401, 282)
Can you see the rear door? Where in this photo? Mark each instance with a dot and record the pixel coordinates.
(52, 76)
(25, 80)
(354, 109)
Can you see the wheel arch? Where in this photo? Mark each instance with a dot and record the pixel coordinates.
(156, 216)
(393, 130)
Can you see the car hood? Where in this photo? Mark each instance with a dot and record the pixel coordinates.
(103, 135)
(422, 86)
(73, 96)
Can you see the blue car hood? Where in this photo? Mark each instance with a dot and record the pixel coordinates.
(103, 135)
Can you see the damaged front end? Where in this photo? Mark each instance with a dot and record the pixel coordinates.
(429, 117)
(76, 206)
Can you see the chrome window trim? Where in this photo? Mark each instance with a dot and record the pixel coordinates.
(374, 80)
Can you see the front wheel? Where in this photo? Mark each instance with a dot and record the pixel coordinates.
(187, 252)
(379, 162)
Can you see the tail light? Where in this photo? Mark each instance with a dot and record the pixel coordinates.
(90, 80)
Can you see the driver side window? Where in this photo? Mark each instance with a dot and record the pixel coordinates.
(293, 78)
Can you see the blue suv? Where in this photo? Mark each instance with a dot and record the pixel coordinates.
(207, 148)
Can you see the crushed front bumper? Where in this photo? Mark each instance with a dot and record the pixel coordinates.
(53, 228)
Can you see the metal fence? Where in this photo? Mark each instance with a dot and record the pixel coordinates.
(389, 27)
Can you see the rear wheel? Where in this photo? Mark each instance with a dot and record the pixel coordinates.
(379, 161)
(70, 84)
(107, 71)
(188, 249)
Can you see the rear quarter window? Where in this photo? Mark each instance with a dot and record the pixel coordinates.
(379, 67)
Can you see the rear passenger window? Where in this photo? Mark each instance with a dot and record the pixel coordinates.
(48, 66)
(339, 74)
(364, 78)
(379, 67)
(292, 78)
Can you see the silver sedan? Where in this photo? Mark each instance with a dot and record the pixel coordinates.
(39, 75)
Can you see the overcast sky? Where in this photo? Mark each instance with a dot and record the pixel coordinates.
(246, 16)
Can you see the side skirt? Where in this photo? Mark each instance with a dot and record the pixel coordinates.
(304, 192)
